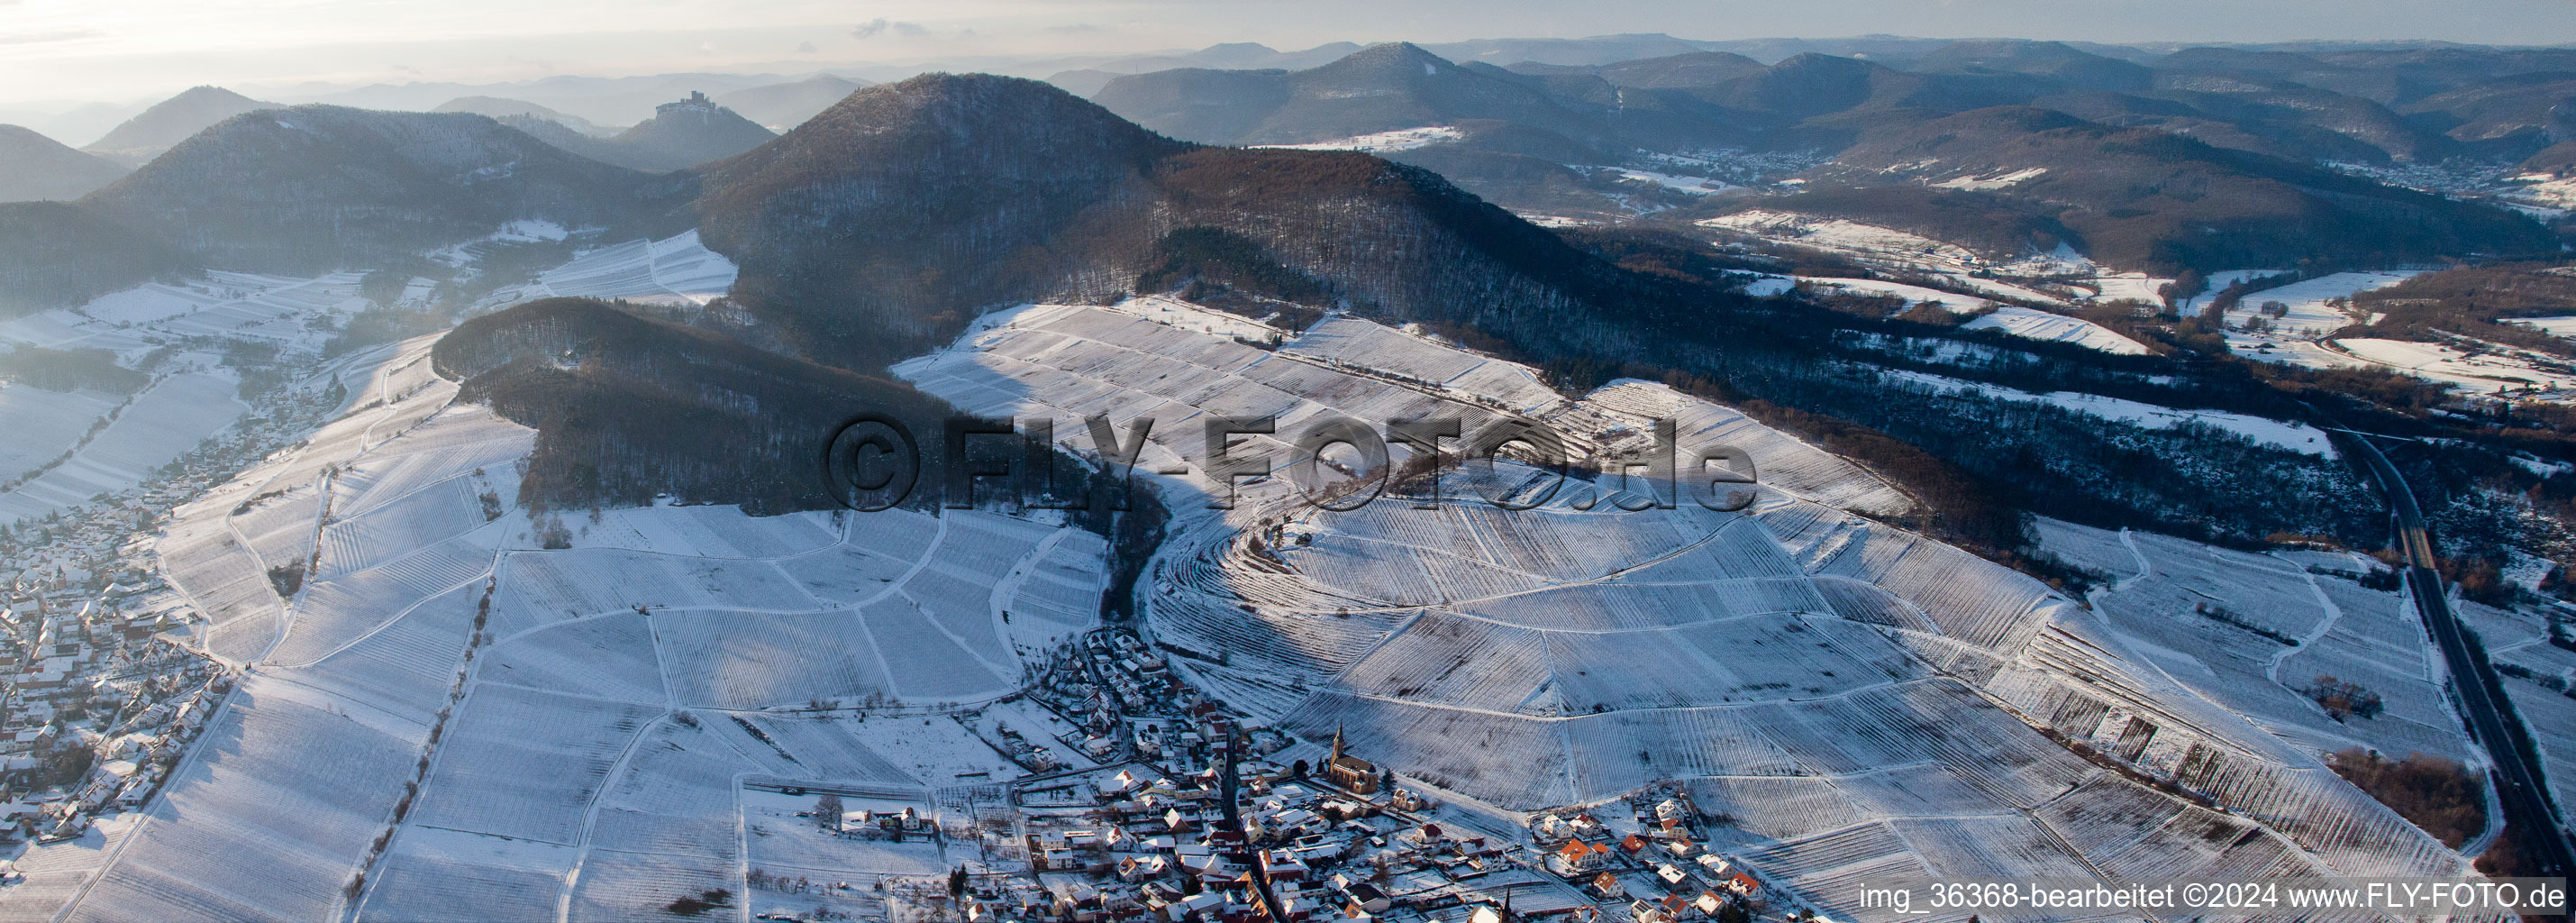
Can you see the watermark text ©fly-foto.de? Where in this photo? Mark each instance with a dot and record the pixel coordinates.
(876, 462)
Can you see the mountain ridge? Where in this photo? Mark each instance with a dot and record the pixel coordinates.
(33, 167)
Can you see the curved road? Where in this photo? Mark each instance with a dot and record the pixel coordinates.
(2520, 784)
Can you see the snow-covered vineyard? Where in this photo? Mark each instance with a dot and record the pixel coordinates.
(76, 445)
(453, 707)
(680, 270)
(549, 680)
(1866, 701)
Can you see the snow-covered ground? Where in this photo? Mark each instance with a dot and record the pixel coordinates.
(2297, 437)
(2473, 366)
(2309, 315)
(2278, 627)
(677, 270)
(42, 425)
(2484, 371)
(2129, 286)
(2071, 277)
(2003, 180)
(1184, 315)
(1771, 658)
(2288, 350)
(594, 750)
(462, 255)
(1952, 302)
(1384, 142)
(1695, 185)
(2035, 324)
(1361, 344)
(2218, 282)
(2554, 326)
(276, 310)
(2018, 321)
(590, 729)
(2546, 190)
(1843, 236)
(160, 424)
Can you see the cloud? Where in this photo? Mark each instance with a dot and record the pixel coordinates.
(39, 38)
(880, 25)
(1079, 28)
(806, 48)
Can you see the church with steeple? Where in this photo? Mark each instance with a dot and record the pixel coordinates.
(1352, 774)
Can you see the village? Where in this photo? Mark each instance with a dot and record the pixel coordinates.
(103, 683)
(1154, 803)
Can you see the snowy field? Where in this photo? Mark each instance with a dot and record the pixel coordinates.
(160, 424)
(2309, 314)
(1789, 661)
(2534, 672)
(1998, 180)
(1375, 347)
(1695, 185)
(2288, 350)
(587, 732)
(2332, 626)
(2029, 323)
(2218, 282)
(591, 752)
(42, 425)
(679, 270)
(2491, 368)
(2296, 437)
(1385, 142)
(2554, 326)
(299, 315)
(224, 305)
(2074, 277)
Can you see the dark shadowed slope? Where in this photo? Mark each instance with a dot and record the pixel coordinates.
(322, 187)
(54, 254)
(628, 408)
(875, 230)
(2146, 199)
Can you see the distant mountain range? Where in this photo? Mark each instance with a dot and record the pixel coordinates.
(782, 106)
(171, 121)
(315, 188)
(33, 166)
(681, 134)
(1545, 136)
(2153, 200)
(602, 101)
(501, 108)
(1380, 88)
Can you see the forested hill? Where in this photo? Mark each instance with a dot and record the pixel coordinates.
(875, 230)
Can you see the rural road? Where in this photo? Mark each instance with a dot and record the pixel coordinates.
(2520, 783)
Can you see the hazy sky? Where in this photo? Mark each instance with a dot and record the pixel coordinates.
(53, 52)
